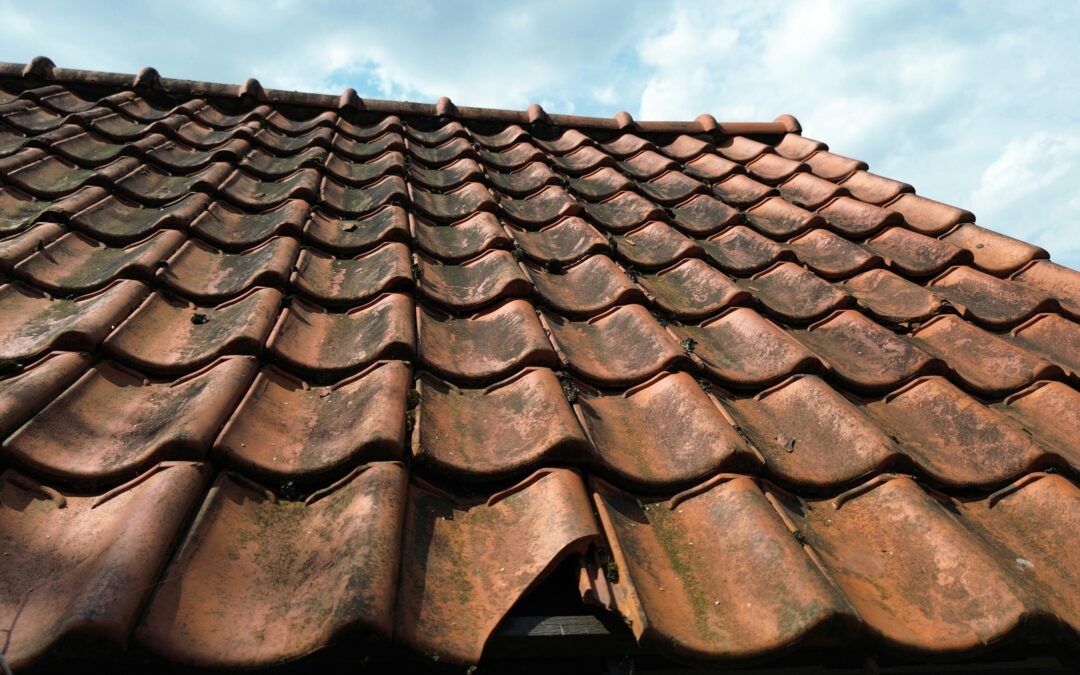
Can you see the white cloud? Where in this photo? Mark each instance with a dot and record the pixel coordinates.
(972, 102)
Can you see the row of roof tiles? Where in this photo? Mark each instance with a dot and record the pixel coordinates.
(381, 554)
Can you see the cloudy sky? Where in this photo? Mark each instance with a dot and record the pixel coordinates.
(974, 103)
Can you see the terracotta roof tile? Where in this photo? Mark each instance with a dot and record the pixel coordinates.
(114, 423)
(311, 339)
(286, 429)
(503, 428)
(245, 614)
(166, 335)
(548, 514)
(661, 433)
(588, 286)
(482, 346)
(692, 289)
(621, 346)
(302, 290)
(795, 293)
(91, 560)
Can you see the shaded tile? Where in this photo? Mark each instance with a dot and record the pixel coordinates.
(362, 151)
(992, 252)
(167, 335)
(985, 362)
(831, 166)
(1050, 411)
(810, 192)
(91, 560)
(177, 157)
(740, 148)
(362, 201)
(600, 184)
(155, 187)
(832, 256)
(926, 215)
(624, 211)
(654, 244)
(35, 322)
(548, 205)
(909, 568)
(865, 355)
(19, 246)
(701, 215)
(49, 177)
(450, 151)
(439, 135)
(562, 241)
(87, 149)
(587, 286)
(627, 145)
(352, 235)
(778, 218)
(25, 390)
(646, 165)
(464, 170)
(262, 165)
(891, 298)
(75, 263)
(390, 124)
(287, 429)
(1023, 519)
(114, 422)
(684, 590)
(509, 135)
(461, 543)
(687, 147)
(956, 440)
(502, 429)
(988, 300)
(692, 289)
(812, 436)
(568, 141)
(203, 272)
(740, 250)
(348, 281)
(328, 344)
(513, 157)
(872, 188)
(19, 210)
(454, 204)
(742, 190)
(484, 345)
(1052, 336)
(914, 254)
(242, 547)
(797, 147)
(774, 168)
(672, 187)
(524, 181)
(712, 167)
(661, 433)
(583, 160)
(1057, 281)
(795, 293)
(622, 346)
(225, 225)
(119, 220)
(491, 276)
(460, 240)
(252, 192)
(856, 219)
(357, 174)
(744, 349)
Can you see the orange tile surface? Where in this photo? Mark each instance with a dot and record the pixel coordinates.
(278, 370)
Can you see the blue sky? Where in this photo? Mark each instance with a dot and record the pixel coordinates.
(974, 103)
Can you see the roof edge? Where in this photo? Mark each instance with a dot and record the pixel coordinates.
(43, 68)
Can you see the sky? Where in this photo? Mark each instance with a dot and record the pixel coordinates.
(974, 103)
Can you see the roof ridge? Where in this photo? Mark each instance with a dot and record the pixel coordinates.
(43, 68)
